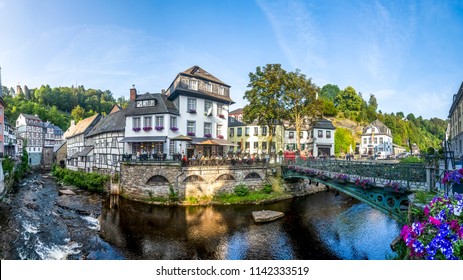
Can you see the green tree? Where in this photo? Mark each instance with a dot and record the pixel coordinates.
(343, 140)
(300, 102)
(329, 92)
(265, 106)
(329, 109)
(78, 113)
(348, 100)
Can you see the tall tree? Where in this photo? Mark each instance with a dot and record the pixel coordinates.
(329, 92)
(348, 100)
(78, 113)
(265, 106)
(300, 102)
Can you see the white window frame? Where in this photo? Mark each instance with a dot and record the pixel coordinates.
(173, 121)
(193, 84)
(191, 104)
(191, 127)
(147, 121)
(159, 121)
(136, 122)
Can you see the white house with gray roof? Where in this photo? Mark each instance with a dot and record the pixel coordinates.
(321, 139)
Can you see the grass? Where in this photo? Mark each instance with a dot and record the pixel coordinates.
(251, 197)
(424, 197)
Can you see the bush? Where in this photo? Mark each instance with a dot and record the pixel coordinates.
(411, 160)
(241, 190)
(92, 182)
(267, 189)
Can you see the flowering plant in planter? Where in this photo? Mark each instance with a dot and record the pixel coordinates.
(291, 167)
(174, 128)
(322, 175)
(342, 178)
(439, 234)
(395, 187)
(159, 128)
(192, 111)
(221, 116)
(191, 134)
(208, 135)
(455, 176)
(364, 183)
(147, 128)
(220, 136)
(310, 172)
(136, 129)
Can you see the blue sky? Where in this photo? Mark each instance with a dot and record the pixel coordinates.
(409, 54)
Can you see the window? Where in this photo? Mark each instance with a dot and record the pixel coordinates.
(193, 85)
(256, 131)
(136, 122)
(246, 131)
(240, 118)
(328, 134)
(219, 130)
(320, 134)
(274, 131)
(191, 128)
(171, 147)
(191, 106)
(159, 121)
(207, 129)
(291, 135)
(264, 146)
(376, 140)
(147, 122)
(239, 132)
(221, 90)
(209, 87)
(207, 106)
(264, 130)
(219, 109)
(256, 145)
(232, 132)
(364, 140)
(381, 140)
(173, 122)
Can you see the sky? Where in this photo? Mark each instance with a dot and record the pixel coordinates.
(409, 54)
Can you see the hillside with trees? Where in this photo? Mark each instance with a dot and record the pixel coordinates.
(58, 105)
(290, 97)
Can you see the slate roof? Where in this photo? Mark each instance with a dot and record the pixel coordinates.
(383, 129)
(82, 126)
(28, 116)
(110, 123)
(238, 111)
(163, 105)
(199, 73)
(324, 124)
(235, 122)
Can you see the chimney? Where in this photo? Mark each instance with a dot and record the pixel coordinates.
(73, 122)
(133, 93)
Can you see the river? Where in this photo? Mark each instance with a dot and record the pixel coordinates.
(38, 223)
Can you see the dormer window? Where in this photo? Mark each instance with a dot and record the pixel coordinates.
(146, 103)
(221, 90)
(193, 85)
(209, 87)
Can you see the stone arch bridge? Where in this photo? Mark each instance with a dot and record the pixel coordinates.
(146, 180)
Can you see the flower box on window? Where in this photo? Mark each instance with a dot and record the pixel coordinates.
(191, 134)
(174, 128)
(136, 129)
(159, 128)
(147, 128)
(220, 136)
(192, 111)
(208, 135)
(221, 116)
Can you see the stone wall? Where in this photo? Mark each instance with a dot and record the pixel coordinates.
(145, 180)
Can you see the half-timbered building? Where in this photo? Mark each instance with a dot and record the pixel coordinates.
(105, 137)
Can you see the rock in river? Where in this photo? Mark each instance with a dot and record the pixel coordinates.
(266, 216)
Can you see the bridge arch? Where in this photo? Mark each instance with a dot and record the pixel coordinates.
(157, 180)
(193, 179)
(225, 177)
(252, 175)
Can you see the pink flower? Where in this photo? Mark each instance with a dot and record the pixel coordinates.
(426, 211)
(434, 221)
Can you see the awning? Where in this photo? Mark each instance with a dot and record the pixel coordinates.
(76, 155)
(216, 142)
(85, 151)
(143, 139)
(181, 138)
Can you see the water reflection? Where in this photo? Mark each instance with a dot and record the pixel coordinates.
(321, 226)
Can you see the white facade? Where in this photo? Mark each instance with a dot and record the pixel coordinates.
(321, 139)
(376, 139)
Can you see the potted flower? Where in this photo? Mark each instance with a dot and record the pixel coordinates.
(322, 175)
(192, 111)
(341, 178)
(191, 134)
(438, 233)
(147, 128)
(220, 136)
(221, 116)
(207, 135)
(455, 178)
(394, 187)
(174, 128)
(136, 129)
(310, 172)
(364, 183)
(159, 128)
